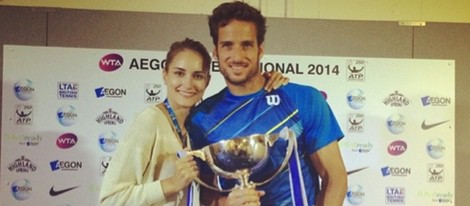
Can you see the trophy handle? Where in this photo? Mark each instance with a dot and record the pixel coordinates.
(290, 147)
(201, 155)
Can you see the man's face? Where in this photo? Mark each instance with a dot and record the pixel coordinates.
(238, 52)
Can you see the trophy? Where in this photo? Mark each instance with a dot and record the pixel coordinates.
(239, 157)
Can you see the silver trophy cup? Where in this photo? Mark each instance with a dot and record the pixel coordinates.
(239, 157)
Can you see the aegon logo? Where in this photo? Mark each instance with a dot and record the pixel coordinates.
(111, 62)
(395, 171)
(396, 123)
(65, 165)
(24, 89)
(67, 115)
(108, 141)
(66, 140)
(355, 194)
(356, 99)
(397, 147)
(21, 189)
(110, 92)
(435, 148)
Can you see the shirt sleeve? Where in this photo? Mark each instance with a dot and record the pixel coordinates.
(321, 126)
(123, 182)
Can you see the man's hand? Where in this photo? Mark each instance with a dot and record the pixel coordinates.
(246, 196)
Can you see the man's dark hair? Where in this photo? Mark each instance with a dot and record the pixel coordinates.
(226, 12)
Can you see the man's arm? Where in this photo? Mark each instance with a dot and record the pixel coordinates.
(330, 166)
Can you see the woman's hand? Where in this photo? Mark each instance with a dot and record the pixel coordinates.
(274, 80)
(186, 171)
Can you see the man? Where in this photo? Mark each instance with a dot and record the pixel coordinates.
(244, 108)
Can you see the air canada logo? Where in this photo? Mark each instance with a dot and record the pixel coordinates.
(111, 62)
(396, 99)
(356, 122)
(110, 117)
(356, 70)
(355, 194)
(152, 93)
(24, 114)
(67, 90)
(21, 189)
(356, 99)
(436, 172)
(24, 89)
(22, 164)
(67, 115)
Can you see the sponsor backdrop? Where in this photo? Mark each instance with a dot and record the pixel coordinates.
(65, 110)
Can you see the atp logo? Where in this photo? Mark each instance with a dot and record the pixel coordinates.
(273, 100)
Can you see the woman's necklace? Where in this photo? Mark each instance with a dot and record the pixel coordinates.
(175, 122)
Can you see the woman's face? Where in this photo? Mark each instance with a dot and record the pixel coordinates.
(185, 79)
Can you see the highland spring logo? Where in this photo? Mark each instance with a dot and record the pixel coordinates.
(22, 164)
(24, 89)
(396, 99)
(110, 117)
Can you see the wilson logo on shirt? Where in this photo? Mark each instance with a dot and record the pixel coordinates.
(273, 100)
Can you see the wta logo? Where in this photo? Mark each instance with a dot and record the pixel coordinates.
(66, 140)
(111, 62)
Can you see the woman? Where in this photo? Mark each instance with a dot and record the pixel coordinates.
(145, 169)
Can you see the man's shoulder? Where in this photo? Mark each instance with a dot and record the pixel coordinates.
(298, 89)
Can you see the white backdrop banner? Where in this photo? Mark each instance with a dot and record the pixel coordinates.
(65, 109)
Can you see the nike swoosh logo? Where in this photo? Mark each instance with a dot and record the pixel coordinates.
(356, 170)
(53, 192)
(429, 126)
